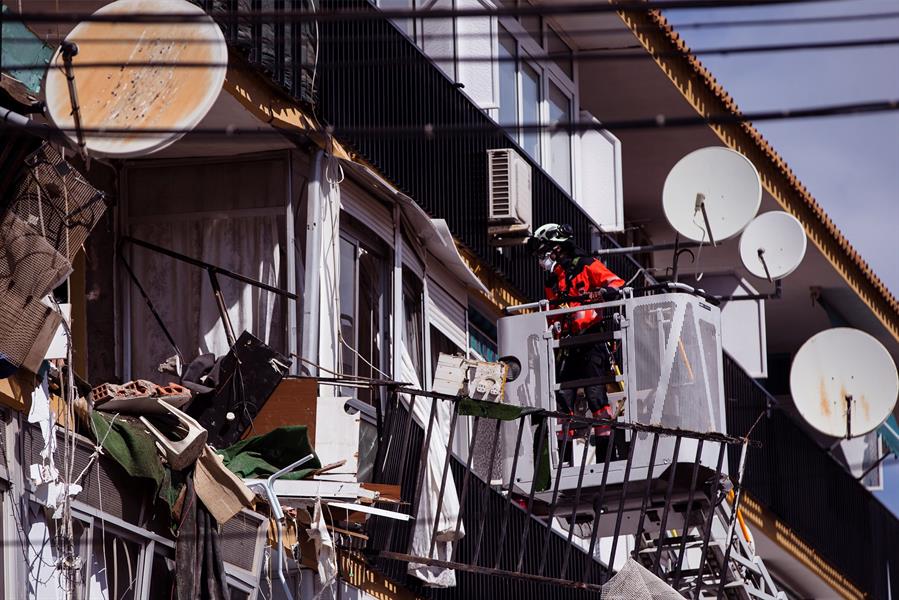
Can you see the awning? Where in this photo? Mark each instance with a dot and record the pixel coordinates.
(433, 234)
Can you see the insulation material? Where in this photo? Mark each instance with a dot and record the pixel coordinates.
(427, 506)
(633, 582)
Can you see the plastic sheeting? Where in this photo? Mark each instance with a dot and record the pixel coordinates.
(633, 582)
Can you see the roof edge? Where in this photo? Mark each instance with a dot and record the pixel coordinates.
(708, 97)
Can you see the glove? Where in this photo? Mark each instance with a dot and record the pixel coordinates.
(606, 294)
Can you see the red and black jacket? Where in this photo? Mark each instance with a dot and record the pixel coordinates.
(575, 277)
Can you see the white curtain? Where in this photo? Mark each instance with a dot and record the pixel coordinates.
(427, 507)
(182, 295)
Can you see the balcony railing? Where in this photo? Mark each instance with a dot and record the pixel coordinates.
(509, 544)
(796, 480)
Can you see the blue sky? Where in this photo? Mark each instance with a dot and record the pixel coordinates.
(850, 164)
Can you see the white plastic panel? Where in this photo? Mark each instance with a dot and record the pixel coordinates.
(598, 188)
(742, 322)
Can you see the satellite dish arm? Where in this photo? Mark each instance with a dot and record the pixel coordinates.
(775, 295)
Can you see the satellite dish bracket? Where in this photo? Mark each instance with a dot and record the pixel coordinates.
(775, 295)
(69, 49)
(700, 206)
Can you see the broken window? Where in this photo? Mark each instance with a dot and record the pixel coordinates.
(364, 308)
(229, 214)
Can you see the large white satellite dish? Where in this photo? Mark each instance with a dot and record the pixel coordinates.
(844, 382)
(773, 245)
(132, 95)
(711, 194)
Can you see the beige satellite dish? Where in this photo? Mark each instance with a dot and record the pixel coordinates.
(134, 96)
(844, 382)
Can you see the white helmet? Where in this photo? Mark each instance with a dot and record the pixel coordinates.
(548, 235)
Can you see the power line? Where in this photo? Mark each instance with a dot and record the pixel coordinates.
(578, 33)
(589, 55)
(431, 131)
(388, 13)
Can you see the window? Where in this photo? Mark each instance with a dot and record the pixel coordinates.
(530, 110)
(560, 139)
(508, 80)
(560, 52)
(534, 90)
(481, 336)
(230, 214)
(364, 308)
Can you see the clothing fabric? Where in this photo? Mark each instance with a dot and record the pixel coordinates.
(199, 568)
(260, 456)
(577, 276)
(583, 362)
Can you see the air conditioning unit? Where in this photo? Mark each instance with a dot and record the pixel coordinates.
(509, 177)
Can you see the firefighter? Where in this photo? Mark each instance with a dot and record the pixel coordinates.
(570, 273)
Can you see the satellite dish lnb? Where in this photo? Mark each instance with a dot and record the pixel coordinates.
(773, 245)
(170, 97)
(844, 382)
(711, 194)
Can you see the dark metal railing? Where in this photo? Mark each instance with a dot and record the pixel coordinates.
(799, 482)
(508, 534)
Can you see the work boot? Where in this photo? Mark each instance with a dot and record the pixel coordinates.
(602, 430)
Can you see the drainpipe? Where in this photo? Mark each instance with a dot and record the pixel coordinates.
(312, 282)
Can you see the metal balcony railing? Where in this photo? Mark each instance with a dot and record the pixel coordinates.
(525, 539)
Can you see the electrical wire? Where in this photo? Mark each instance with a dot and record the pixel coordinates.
(572, 34)
(368, 14)
(431, 130)
(598, 54)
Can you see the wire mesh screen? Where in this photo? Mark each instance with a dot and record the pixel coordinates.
(676, 370)
(26, 329)
(57, 202)
(29, 265)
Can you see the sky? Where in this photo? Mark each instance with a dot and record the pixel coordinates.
(849, 164)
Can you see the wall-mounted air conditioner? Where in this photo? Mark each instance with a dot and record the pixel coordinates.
(509, 181)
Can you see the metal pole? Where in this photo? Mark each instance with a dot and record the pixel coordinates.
(474, 437)
(573, 517)
(690, 494)
(502, 530)
(485, 494)
(542, 434)
(648, 492)
(708, 525)
(597, 506)
(620, 516)
(223, 308)
(446, 468)
(667, 506)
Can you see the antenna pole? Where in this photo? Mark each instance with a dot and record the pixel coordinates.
(761, 252)
(700, 205)
(848, 416)
(69, 50)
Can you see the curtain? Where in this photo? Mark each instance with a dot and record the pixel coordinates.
(182, 295)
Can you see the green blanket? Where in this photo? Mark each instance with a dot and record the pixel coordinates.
(262, 455)
(135, 450)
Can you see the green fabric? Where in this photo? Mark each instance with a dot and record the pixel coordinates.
(135, 450)
(493, 410)
(262, 455)
(541, 464)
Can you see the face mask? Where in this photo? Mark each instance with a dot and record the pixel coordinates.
(547, 263)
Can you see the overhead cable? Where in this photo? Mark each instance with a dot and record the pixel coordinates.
(571, 34)
(431, 130)
(369, 14)
(590, 55)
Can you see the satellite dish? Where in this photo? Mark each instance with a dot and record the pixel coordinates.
(772, 245)
(168, 97)
(844, 382)
(711, 194)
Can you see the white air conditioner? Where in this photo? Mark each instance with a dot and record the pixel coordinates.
(510, 189)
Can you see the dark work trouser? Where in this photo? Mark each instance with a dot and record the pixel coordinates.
(583, 362)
